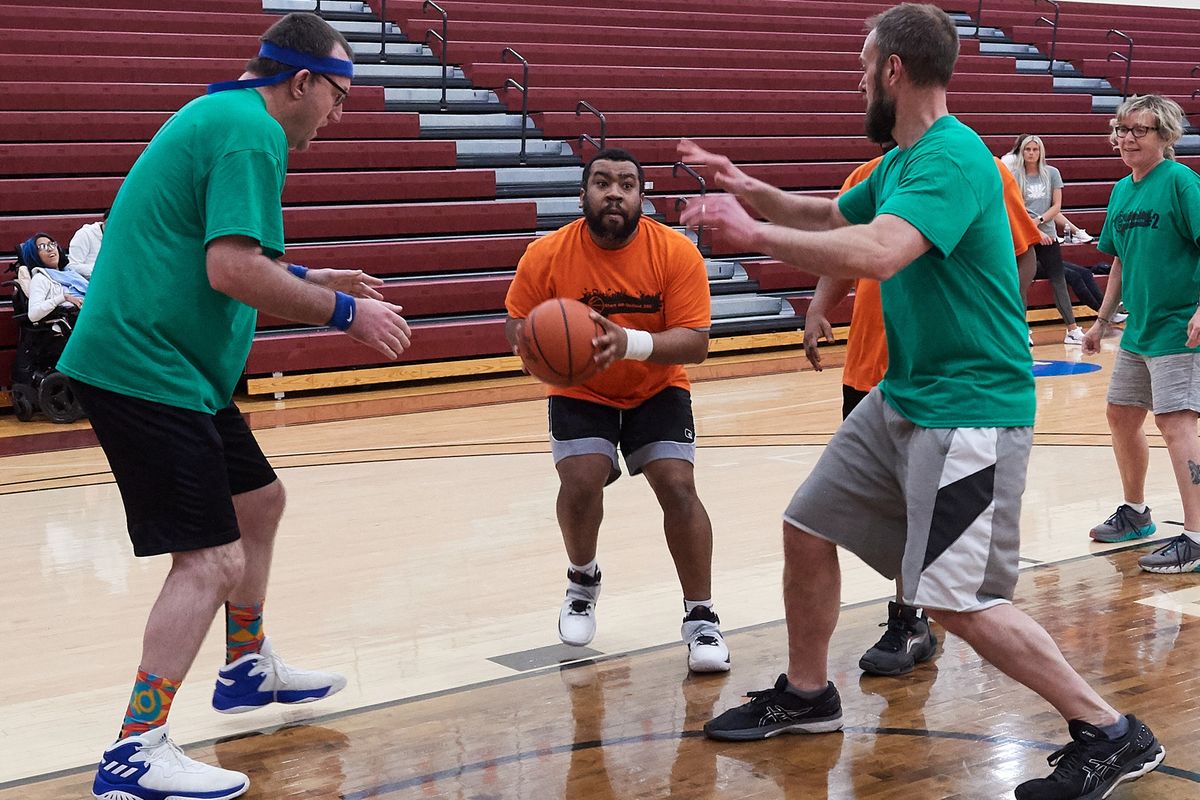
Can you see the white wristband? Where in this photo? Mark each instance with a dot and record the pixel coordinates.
(638, 344)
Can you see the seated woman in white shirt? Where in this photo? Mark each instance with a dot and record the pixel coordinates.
(53, 284)
(85, 246)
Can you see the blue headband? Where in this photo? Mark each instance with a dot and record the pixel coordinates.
(293, 58)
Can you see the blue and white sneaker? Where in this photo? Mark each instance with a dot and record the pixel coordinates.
(151, 767)
(260, 678)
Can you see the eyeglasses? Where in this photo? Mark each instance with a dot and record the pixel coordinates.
(1138, 131)
(342, 93)
(47, 247)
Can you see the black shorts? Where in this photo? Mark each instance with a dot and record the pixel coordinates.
(177, 469)
(851, 397)
(661, 427)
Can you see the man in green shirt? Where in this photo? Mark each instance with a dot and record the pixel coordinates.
(189, 258)
(923, 480)
(1153, 231)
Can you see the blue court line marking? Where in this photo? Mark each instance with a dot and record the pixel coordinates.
(541, 752)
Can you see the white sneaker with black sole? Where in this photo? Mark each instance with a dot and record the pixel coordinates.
(707, 651)
(577, 616)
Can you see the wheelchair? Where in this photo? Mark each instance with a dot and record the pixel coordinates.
(37, 387)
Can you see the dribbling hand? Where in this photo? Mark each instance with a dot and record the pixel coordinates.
(378, 325)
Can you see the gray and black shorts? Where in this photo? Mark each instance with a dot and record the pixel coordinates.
(938, 508)
(661, 427)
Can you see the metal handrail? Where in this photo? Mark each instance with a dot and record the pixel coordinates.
(442, 38)
(978, 18)
(1054, 25)
(523, 88)
(680, 202)
(317, 10)
(383, 23)
(584, 104)
(587, 138)
(1128, 59)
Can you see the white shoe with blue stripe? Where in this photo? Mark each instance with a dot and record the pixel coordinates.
(257, 679)
(151, 767)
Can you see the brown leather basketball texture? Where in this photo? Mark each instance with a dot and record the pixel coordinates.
(556, 342)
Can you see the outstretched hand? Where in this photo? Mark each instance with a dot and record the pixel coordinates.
(353, 282)
(725, 175)
(378, 325)
(724, 213)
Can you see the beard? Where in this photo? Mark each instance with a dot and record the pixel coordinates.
(881, 114)
(604, 227)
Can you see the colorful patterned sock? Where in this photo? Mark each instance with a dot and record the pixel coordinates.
(149, 704)
(243, 630)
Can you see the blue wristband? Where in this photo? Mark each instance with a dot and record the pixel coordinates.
(343, 311)
(297, 270)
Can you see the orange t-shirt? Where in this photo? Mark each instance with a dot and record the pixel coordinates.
(866, 347)
(656, 282)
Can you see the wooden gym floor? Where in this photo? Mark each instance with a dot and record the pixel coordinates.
(420, 556)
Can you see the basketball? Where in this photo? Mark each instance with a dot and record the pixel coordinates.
(555, 343)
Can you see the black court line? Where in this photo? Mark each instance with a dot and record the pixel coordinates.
(520, 676)
(107, 479)
(574, 747)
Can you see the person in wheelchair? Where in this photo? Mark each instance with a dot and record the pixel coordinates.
(47, 296)
(54, 287)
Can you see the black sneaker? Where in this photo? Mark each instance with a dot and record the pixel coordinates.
(907, 642)
(777, 710)
(1092, 765)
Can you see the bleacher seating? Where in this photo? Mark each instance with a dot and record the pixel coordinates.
(438, 201)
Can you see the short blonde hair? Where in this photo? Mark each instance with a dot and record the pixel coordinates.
(1168, 117)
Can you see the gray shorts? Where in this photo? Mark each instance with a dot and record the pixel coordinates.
(939, 508)
(1159, 384)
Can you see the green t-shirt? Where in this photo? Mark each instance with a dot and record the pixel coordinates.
(1153, 226)
(152, 327)
(957, 350)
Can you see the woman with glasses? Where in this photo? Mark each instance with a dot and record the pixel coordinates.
(53, 283)
(1041, 187)
(1152, 228)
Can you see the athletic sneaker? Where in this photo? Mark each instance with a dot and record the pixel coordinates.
(150, 766)
(1092, 765)
(1074, 336)
(701, 632)
(776, 710)
(1119, 317)
(256, 679)
(577, 616)
(1180, 554)
(1123, 525)
(907, 642)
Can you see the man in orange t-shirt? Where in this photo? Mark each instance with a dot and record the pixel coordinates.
(908, 639)
(648, 287)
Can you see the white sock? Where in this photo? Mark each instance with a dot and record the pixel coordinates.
(587, 569)
(1138, 507)
(1193, 535)
(688, 605)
